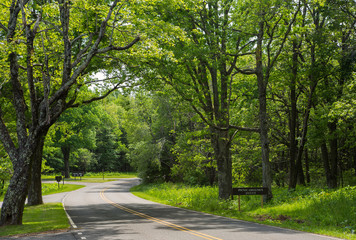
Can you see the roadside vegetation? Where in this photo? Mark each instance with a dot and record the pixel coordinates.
(94, 177)
(52, 188)
(44, 217)
(41, 218)
(315, 210)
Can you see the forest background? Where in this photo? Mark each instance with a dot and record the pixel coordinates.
(225, 93)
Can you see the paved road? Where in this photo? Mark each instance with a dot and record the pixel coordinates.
(110, 211)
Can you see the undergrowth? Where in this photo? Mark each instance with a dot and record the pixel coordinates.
(328, 212)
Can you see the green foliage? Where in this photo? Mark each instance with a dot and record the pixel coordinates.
(325, 208)
(45, 168)
(144, 158)
(150, 122)
(6, 171)
(193, 149)
(246, 164)
(94, 136)
(52, 188)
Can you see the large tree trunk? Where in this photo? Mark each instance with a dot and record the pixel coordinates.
(300, 171)
(303, 139)
(325, 158)
(66, 154)
(14, 201)
(333, 159)
(307, 174)
(35, 186)
(222, 154)
(293, 122)
(354, 157)
(262, 92)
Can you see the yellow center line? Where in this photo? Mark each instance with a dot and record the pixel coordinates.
(157, 220)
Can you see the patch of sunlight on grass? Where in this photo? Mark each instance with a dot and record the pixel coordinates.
(41, 218)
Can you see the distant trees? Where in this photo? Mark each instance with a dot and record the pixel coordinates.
(88, 138)
(75, 129)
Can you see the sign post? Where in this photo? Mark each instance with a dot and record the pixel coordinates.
(58, 179)
(249, 191)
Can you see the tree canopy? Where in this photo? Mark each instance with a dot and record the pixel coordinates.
(202, 91)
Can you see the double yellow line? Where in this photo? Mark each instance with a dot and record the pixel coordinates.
(160, 221)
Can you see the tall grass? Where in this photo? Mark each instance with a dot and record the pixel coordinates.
(329, 212)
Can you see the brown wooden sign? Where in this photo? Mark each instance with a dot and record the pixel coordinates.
(250, 191)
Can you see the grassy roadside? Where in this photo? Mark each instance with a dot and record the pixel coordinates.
(326, 212)
(49, 217)
(95, 177)
(46, 217)
(52, 188)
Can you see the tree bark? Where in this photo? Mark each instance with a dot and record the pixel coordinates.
(325, 158)
(14, 201)
(300, 171)
(66, 155)
(293, 122)
(222, 154)
(262, 92)
(333, 159)
(354, 157)
(306, 156)
(35, 188)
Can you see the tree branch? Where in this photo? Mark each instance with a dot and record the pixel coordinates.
(285, 36)
(247, 71)
(247, 129)
(3, 27)
(111, 47)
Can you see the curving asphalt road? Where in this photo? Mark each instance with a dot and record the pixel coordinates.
(110, 211)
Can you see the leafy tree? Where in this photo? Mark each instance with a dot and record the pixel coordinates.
(49, 52)
(198, 54)
(106, 150)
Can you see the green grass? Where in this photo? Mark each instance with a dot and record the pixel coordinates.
(52, 188)
(111, 175)
(46, 217)
(328, 212)
(95, 177)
